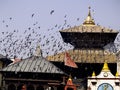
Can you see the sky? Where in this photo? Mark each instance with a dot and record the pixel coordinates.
(47, 17)
(105, 12)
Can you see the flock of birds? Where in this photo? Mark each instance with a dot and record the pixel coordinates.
(22, 45)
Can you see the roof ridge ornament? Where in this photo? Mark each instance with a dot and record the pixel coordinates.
(105, 67)
(117, 74)
(38, 51)
(93, 74)
(89, 20)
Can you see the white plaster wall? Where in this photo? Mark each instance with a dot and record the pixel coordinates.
(100, 79)
(118, 67)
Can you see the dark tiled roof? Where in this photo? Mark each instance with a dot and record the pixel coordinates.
(33, 64)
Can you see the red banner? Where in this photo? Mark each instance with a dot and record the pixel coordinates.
(69, 62)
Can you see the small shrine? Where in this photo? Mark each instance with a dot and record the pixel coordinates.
(70, 85)
(104, 81)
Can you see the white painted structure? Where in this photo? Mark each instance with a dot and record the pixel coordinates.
(118, 62)
(104, 81)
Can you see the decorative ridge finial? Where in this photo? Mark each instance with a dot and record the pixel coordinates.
(105, 67)
(93, 74)
(38, 51)
(89, 13)
(70, 77)
(89, 21)
(117, 74)
(69, 82)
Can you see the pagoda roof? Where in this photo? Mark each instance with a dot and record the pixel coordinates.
(89, 26)
(85, 56)
(33, 64)
(89, 29)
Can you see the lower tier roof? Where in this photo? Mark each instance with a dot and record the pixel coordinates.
(33, 64)
(85, 56)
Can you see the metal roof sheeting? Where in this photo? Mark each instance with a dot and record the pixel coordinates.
(33, 64)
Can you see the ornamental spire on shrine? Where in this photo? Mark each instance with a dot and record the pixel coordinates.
(105, 67)
(93, 74)
(89, 20)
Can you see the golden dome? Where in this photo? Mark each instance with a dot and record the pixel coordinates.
(89, 21)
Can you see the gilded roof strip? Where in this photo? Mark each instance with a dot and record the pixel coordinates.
(85, 56)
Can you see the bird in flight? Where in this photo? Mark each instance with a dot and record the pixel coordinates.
(32, 15)
(52, 11)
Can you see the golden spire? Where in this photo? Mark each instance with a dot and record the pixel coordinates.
(117, 74)
(70, 77)
(89, 21)
(105, 67)
(93, 74)
(69, 82)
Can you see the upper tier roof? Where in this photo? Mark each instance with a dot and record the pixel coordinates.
(92, 28)
(89, 26)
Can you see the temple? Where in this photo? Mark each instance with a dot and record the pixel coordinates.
(50, 73)
(89, 54)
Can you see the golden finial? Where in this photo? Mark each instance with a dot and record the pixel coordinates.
(105, 67)
(93, 74)
(70, 77)
(89, 20)
(117, 74)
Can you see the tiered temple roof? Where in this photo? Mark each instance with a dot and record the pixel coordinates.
(89, 40)
(85, 56)
(89, 28)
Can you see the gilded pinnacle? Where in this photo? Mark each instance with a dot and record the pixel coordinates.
(89, 21)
